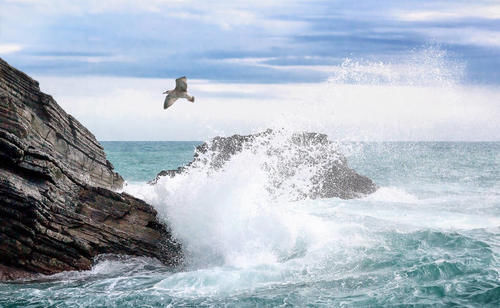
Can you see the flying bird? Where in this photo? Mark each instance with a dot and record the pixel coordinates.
(180, 91)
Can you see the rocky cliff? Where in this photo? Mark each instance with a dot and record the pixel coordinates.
(286, 158)
(57, 206)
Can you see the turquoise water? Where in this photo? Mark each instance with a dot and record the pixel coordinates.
(429, 236)
(140, 161)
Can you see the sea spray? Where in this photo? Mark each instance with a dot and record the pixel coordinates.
(239, 210)
(428, 236)
(399, 98)
(428, 66)
(422, 238)
(245, 212)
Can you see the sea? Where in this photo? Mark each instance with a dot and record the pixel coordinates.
(429, 236)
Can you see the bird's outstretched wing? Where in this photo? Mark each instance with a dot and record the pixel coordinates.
(181, 84)
(169, 101)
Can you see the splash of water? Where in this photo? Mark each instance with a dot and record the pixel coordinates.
(240, 212)
(430, 66)
(237, 216)
(429, 236)
(418, 96)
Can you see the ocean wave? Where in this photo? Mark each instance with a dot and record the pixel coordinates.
(392, 194)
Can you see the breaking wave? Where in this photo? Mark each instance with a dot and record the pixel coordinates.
(254, 237)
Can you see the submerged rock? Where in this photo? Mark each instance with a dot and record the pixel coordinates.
(57, 206)
(299, 165)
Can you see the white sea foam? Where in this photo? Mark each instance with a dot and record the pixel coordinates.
(392, 194)
(245, 241)
(236, 216)
(231, 216)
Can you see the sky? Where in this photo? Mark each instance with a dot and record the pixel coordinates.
(363, 70)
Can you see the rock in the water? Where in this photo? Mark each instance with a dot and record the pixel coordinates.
(328, 174)
(57, 207)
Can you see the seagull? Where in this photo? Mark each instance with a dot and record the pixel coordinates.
(180, 91)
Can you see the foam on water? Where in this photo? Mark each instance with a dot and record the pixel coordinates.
(232, 217)
(429, 235)
(397, 245)
(237, 216)
(394, 246)
(392, 194)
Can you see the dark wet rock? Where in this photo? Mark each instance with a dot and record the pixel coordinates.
(331, 176)
(58, 210)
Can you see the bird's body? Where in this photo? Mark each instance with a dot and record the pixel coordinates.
(180, 91)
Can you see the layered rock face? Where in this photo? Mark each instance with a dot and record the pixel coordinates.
(287, 157)
(57, 206)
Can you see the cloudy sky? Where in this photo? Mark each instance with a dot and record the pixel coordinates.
(368, 70)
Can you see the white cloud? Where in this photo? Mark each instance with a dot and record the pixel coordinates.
(93, 6)
(449, 12)
(428, 66)
(229, 15)
(225, 18)
(9, 48)
(84, 58)
(131, 109)
(463, 36)
(225, 13)
(262, 62)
